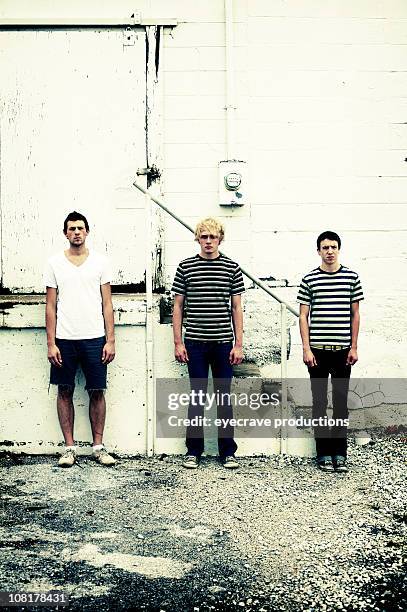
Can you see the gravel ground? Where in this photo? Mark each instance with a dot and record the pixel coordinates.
(147, 535)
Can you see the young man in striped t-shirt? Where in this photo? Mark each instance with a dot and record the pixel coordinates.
(209, 285)
(329, 299)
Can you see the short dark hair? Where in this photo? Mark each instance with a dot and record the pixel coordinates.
(328, 236)
(75, 216)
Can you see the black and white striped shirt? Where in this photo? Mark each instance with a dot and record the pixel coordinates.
(330, 295)
(208, 285)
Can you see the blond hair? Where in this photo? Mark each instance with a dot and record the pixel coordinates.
(211, 225)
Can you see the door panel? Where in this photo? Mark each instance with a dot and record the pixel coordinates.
(72, 135)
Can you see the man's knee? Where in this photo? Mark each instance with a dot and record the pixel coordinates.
(65, 392)
(96, 394)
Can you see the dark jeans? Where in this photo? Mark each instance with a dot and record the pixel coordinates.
(330, 442)
(216, 355)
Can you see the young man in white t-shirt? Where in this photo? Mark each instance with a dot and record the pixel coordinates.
(80, 330)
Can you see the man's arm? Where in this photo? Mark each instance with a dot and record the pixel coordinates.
(236, 354)
(180, 351)
(109, 349)
(54, 355)
(307, 355)
(355, 318)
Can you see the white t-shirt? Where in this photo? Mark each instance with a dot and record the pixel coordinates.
(79, 304)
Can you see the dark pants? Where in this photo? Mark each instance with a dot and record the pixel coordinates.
(86, 353)
(216, 355)
(330, 441)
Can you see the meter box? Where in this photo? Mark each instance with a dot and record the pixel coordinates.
(232, 183)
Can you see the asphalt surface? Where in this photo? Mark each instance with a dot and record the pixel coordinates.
(277, 534)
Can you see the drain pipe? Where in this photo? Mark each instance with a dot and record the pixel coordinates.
(150, 395)
(230, 81)
(284, 390)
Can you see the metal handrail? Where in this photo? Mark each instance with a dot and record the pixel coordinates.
(255, 280)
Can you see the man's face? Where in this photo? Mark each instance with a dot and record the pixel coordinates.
(209, 241)
(76, 233)
(329, 251)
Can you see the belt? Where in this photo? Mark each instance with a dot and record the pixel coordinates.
(329, 347)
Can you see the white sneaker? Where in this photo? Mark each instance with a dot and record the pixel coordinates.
(230, 462)
(102, 456)
(68, 457)
(190, 462)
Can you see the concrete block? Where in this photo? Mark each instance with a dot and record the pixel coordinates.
(29, 409)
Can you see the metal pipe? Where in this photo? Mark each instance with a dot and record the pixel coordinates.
(150, 399)
(255, 280)
(230, 81)
(284, 393)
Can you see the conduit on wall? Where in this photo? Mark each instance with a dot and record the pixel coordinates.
(230, 81)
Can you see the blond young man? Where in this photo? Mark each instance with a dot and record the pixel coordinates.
(209, 285)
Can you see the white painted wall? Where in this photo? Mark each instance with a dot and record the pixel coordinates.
(28, 407)
(321, 102)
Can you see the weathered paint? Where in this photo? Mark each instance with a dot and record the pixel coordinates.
(28, 311)
(66, 144)
(154, 144)
(28, 410)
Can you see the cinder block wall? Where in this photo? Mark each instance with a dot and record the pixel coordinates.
(320, 119)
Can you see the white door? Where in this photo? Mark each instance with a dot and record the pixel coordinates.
(72, 135)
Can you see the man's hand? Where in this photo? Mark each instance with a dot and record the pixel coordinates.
(54, 355)
(180, 352)
(236, 355)
(308, 358)
(352, 357)
(109, 352)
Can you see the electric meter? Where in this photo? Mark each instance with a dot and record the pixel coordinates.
(232, 183)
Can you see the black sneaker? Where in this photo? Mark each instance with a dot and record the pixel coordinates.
(325, 464)
(339, 464)
(190, 462)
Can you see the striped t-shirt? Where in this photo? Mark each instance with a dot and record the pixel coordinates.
(208, 285)
(330, 295)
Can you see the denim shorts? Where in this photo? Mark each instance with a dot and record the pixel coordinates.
(87, 354)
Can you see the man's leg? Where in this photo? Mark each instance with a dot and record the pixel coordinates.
(340, 388)
(64, 378)
(198, 368)
(96, 374)
(66, 413)
(66, 416)
(222, 372)
(319, 388)
(90, 356)
(97, 414)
